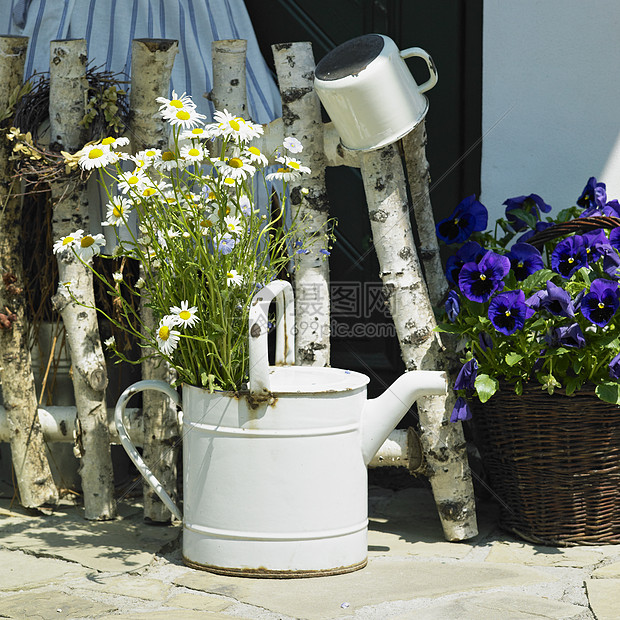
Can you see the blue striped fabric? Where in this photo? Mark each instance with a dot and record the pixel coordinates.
(109, 26)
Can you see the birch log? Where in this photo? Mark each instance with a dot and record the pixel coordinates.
(151, 67)
(89, 374)
(229, 80)
(32, 471)
(418, 177)
(301, 115)
(407, 295)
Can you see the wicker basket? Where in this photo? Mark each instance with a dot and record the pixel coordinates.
(554, 464)
(579, 225)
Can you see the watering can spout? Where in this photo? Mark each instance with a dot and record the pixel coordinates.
(382, 414)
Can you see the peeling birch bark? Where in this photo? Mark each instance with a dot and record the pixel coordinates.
(418, 176)
(229, 79)
(421, 348)
(32, 471)
(151, 67)
(67, 80)
(301, 115)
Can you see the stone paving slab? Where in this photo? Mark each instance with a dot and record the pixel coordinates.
(124, 544)
(608, 571)
(604, 597)
(51, 605)
(382, 580)
(20, 571)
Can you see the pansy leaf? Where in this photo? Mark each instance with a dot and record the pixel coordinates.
(609, 392)
(526, 217)
(513, 358)
(485, 387)
(572, 384)
(536, 280)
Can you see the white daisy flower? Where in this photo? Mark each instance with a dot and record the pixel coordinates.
(114, 143)
(193, 153)
(235, 168)
(197, 133)
(176, 102)
(233, 277)
(166, 337)
(255, 156)
(65, 243)
(230, 126)
(167, 162)
(110, 342)
(293, 145)
(184, 315)
(118, 210)
(152, 188)
(229, 182)
(293, 164)
(131, 181)
(233, 225)
(96, 156)
(140, 283)
(89, 245)
(117, 276)
(185, 118)
(282, 174)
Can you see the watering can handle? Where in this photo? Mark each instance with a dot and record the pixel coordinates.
(138, 461)
(282, 292)
(418, 51)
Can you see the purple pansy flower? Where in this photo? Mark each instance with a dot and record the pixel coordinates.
(611, 263)
(452, 305)
(467, 253)
(595, 242)
(508, 312)
(554, 299)
(594, 195)
(614, 238)
(461, 411)
(533, 204)
(567, 336)
(478, 281)
(525, 260)
(614, 368)
(485, 341)
(469, 216)
(569, 256)
(601, 303)
(467, 375)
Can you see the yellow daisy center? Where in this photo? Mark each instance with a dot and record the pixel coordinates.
(95, 153)
(193, 152)
(164, 332)
(229, 181)
(150, 153)
(254, 150)
(212, 196)
(293, 164)
(281, 169)
(185, 314)
(132, 180)
(87, 241)
(235, 162)
(108, 140)
(234, 124)
(148, 191)
(176, 103)
(198, 131)
(117, 210)
(183, 115)
(68, 240)
(206, 223)
(230, 274)
(167, 155)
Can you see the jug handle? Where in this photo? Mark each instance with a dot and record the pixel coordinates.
(138, 461)
(418, 51)
(282, 292)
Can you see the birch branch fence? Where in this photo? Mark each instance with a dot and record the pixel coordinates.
(409, 293)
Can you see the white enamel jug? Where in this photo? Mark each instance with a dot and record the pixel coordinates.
(369, 93)
(274, 479)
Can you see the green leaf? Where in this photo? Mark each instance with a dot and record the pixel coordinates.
(528, 218)
(537, 279)
(609, 392)
(485, 387)
(513, 358)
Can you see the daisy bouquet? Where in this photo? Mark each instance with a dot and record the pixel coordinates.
(530, 306)
(203, 245)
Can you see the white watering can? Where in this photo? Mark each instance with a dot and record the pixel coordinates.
(275, 479)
